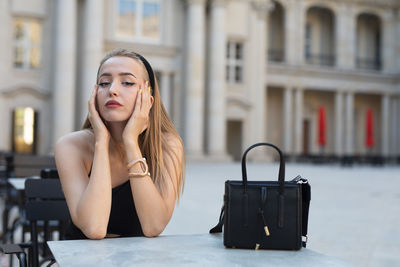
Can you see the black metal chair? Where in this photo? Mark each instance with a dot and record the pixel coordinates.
(17, 166)
(45, 202)
(47, 173)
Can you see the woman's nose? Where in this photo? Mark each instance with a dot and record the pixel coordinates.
(114, 90)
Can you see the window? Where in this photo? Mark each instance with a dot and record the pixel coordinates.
(234, 68)
(368, 42)
(27, 43)
(308, 40)
(319, 37)
(24, 125)
(139, 19)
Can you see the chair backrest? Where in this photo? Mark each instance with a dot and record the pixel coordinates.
(3, 164)
(45, 200)
(22, 165)
(49, 173)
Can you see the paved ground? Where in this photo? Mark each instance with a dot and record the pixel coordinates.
(354, 213)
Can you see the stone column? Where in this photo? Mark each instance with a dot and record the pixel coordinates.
(6, 32)
(295, 18)
(397, 116)
(91, 54)
(216, 130)
(397, 44)
(394, 124)
(194, 86)
(287, 120)
(257, 61)
(385, 106)
(338, 123)
(298, 133)
(166, 94)
(345, 36)
(5, 56)
(349, 138)
(64, 74)
(388, 48)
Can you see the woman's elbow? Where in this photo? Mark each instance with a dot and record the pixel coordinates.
(95, 232)
(153, 231)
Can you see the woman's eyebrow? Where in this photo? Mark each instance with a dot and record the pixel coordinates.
(126, 73)
(105, 74)
(120, 74)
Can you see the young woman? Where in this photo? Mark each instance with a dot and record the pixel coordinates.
(123, 172)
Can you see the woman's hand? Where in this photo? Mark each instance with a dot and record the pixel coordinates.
(101, 132)
(139, 120)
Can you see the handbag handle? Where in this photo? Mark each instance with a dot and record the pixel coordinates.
(281, 175)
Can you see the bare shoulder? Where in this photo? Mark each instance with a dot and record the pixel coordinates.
(79, 143)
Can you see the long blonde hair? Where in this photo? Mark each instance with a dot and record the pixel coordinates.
(153, 141)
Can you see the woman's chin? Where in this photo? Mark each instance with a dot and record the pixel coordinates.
(112, 119)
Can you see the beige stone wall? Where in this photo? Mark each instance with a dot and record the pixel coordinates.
(259, 103)
(313, 100)
(237, 19)
(322, 83)
(25, 87)
(363, 102)
(275, 115)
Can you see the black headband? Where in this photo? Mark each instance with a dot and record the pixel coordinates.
(149, 71)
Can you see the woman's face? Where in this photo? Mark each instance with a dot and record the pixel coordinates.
(118, 84)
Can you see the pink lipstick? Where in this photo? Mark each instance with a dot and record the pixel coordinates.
(113, 104)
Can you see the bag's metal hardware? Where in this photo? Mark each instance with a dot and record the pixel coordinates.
(257, 246)
(261, 210)
(266, 231)
(306, 238)
(300, 180)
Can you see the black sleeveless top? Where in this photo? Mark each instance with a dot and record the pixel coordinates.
(123, 217)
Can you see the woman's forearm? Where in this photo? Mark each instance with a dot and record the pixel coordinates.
(150, 206)
(94, 206)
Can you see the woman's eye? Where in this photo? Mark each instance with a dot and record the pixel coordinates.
(104, 84)
(128, 83)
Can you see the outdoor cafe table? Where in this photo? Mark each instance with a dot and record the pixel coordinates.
(178, 250)
(18, 183)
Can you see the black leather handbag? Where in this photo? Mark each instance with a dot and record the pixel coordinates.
(265, 214)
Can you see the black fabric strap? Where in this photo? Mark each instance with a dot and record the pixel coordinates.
(218, 227)
(306, 193)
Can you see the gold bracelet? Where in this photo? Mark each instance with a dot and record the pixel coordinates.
(135, 161)
(139, 174)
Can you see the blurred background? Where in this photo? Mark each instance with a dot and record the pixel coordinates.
(317, 78)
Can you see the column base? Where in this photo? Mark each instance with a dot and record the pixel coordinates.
(195, 157)
(219, 158)
(216, 158)
(259, 156)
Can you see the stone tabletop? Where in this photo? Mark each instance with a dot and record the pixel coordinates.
(17, 183)
(178, 250)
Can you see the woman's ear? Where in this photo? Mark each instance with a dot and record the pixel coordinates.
(151, 100)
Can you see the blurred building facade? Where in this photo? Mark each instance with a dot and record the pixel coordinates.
(231, 72)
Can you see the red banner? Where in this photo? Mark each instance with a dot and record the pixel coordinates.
(321, 127)
(369, 140)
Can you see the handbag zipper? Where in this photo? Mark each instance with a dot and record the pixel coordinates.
(266, 229)
(261, 209)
